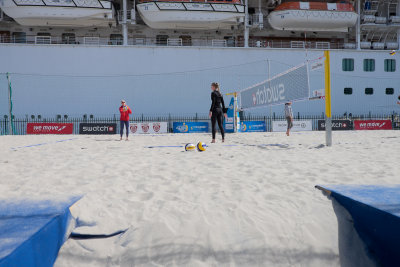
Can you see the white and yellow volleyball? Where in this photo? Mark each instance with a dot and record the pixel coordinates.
(201, 146)
(190, 147)
(393, 52)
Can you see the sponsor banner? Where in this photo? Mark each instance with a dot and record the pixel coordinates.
(337, 125)
(372, 125)
(281, 126)
(317, 64)
(288, 86)
(97, 128)
(253, 126)
(148, 127)
(238, 121)
(229, 123)
(49, 128)
(190, 127)
(396, 125)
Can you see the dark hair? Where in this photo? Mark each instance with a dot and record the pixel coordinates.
(216, 86)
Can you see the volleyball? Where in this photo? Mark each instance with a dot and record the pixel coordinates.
(393, 52)
(201, 147)
(190, 147)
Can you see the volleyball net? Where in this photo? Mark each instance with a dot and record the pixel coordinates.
(291, 85)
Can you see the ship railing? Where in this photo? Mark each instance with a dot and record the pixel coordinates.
(218, 43)
(195, 42)
(42, 39)
(130, 16)
(174, 41)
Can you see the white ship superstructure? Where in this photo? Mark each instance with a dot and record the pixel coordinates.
(360, 33)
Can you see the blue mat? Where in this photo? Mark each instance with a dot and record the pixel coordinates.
(376, 217)
(32, 232)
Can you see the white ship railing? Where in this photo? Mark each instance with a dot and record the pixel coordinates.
(388, 44)
(174, 41)
(42, 39)
(218, 43)
(91, 40)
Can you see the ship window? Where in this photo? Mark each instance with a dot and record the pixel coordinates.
(389, 91)
(186, 40)
(161, 39)
(369, 64)
(390, 65)
(230, 41)
(369, 91)
(4, 36)
(43, 34)
(68, 38)
(348, 64)
(348, 91)
(19, 37)
(116, 39)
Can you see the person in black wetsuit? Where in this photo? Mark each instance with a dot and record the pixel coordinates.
(216, 111)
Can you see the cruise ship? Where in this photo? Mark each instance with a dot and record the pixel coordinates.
(82, 56)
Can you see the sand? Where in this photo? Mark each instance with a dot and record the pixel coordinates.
(248, 202)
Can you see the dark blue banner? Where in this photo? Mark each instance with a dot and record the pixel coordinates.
(190, 127)
(253, 126)
(229, 123)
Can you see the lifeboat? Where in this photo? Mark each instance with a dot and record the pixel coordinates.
(191, 14)
(73, 13)
(313, 16)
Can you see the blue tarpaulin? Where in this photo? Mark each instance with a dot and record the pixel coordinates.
(375, 211)
(32, 231)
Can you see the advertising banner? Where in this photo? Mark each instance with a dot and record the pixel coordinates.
(229, 123)
(97, 128)
(337, 125)
(49, 128)
(281, 126)
(288, 86)
(190, 127)
(253, 126)
(372, 125)
(148, 127)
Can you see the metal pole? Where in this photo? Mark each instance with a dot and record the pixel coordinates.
(235, 103)
(246, 24)
(10, 130)
(358, 37)
(124, 21)
(328, 116)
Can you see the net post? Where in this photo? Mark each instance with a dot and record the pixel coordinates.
(10, 124)
(235, 106)
(328, 114)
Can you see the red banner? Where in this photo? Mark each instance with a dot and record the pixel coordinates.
(49, 128)
(372, 125)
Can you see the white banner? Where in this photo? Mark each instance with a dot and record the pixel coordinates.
(281, 126)
(148, 127)
(287, 86)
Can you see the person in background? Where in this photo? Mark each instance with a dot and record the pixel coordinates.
(216, 111)
(124, 119)
(289, 117)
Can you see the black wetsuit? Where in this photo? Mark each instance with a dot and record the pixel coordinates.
(217, 112)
